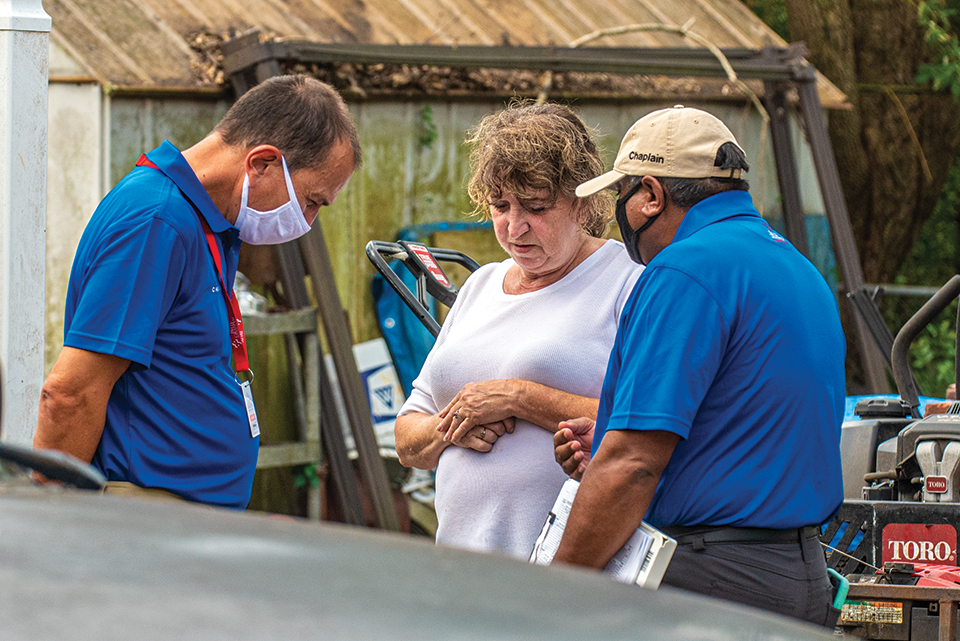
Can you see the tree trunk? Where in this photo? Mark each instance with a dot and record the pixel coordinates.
(872, 49)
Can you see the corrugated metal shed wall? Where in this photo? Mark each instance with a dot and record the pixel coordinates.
(403, 182)
(144, 43)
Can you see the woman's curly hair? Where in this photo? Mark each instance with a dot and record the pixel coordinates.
(529, 147)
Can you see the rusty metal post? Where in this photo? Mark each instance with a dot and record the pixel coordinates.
(775, 100)
(841, 233)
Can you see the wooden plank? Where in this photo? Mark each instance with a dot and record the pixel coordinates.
(343, 478)
(296, 322)
(948, 620)
(296, 375)
(883, 591)
(287, 454)
(372, 470)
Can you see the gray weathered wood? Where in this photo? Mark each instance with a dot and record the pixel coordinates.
(337, 331)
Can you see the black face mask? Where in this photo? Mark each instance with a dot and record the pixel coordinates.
(631, 236)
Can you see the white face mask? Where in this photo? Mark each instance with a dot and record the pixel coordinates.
(273, 227)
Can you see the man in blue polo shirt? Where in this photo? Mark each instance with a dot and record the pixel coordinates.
(720, 413)
(144, 387)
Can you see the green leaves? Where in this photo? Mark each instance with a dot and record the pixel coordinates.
(306, 476)
(932, 355)
(428, 128)
(936, 19)
(774, 13)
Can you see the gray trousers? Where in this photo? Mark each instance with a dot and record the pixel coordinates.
(786, 578)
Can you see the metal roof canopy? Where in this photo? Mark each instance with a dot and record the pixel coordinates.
(249, 61)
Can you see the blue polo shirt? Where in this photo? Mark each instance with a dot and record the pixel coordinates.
(144, 287)
(732, 340)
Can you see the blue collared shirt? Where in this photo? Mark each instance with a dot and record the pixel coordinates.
(144, 287)
(732, 340)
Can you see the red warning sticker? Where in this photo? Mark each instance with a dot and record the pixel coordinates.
(427, 259)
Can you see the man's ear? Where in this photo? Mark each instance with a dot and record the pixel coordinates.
(656, 200)
(258, 159)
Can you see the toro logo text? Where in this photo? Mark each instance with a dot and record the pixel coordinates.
(918, 543)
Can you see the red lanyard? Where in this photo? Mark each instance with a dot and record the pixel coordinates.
(238, 340)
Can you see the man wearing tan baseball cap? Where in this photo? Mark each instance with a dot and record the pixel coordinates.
(719, 419)
(672, 143)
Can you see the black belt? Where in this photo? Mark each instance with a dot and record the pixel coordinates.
(698, 535)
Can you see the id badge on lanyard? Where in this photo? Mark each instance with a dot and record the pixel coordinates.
(251, 410)
(238, 340)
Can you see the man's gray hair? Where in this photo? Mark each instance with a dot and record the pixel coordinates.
(301, 116)
(687, 192)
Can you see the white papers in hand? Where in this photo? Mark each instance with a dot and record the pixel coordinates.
(642, 560)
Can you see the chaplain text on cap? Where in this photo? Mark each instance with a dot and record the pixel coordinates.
(681, 142)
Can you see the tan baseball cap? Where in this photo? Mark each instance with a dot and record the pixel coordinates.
(681, 142)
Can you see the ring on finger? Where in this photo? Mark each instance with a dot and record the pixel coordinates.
(483, 432)
(456, 414)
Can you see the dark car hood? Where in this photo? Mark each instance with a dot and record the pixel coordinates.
(80, 566)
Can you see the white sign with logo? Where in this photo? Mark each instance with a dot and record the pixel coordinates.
(384, 393)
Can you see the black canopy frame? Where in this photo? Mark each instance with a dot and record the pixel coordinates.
(248, 61)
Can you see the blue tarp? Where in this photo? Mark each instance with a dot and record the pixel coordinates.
(407, 339)
(850, 415)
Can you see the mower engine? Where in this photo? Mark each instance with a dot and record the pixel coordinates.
(901, 471)
(915, 460)
(895, 535)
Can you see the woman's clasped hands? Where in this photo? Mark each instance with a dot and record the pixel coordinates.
(479, 415)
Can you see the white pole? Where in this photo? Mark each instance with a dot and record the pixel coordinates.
(24, 57)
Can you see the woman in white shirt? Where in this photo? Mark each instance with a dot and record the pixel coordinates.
(526, 344)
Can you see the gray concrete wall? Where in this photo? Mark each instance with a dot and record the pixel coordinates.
(75, 164)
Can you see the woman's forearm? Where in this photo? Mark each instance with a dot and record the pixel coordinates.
(546, 407)
(418, 442)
